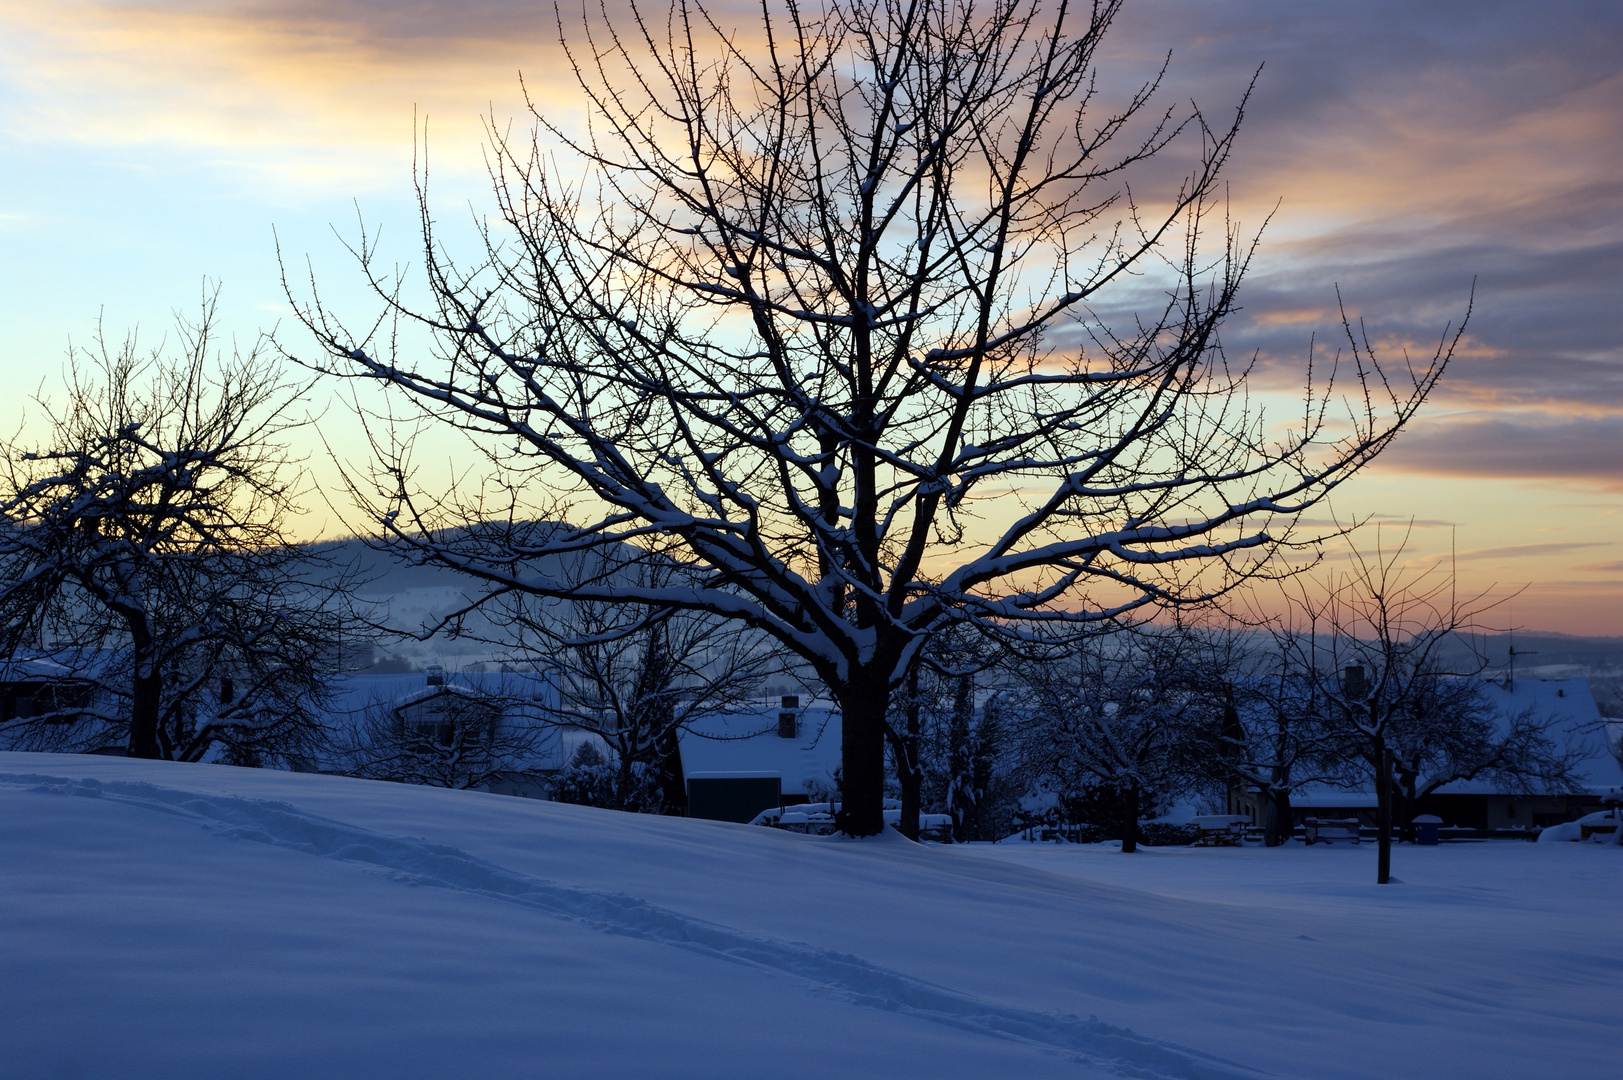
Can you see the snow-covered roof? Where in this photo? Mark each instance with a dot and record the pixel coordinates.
(1576, 725)
(27, 669)
(353, 695)
(357, 697)
(63, 663)
(747, 741)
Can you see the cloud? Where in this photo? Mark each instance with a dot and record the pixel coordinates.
(1602, 567)
(1415, 522)
(1412, 148)
(1527, 551)
(1542, 330)
(317, 95)
(1514, 445)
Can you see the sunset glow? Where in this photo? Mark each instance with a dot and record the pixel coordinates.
(1410, 151)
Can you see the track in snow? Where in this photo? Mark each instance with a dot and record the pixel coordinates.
(1099, 1045)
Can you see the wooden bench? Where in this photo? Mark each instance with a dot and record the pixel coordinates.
(1590, 832)
(1219, 830)
(1329, 830)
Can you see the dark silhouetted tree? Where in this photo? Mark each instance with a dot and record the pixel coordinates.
(144, 550)
(884, 318)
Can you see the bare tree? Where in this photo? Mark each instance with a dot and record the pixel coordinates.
(1453, 732)
(143, 549)
(633, 676)
(1134, 715)
(636, 676)
(1273, 735)
(1376, 651)
(860, 315)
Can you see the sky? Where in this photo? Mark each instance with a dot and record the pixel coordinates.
(1406, 151)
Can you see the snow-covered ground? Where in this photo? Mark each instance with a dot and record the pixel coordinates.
(176, 921)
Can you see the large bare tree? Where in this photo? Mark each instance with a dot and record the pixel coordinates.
(884, 317)
(143, 552)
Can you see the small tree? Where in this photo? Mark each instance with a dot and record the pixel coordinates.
(1375, 650)
(144, 549)
(589, 780)
(631, 675)
(1134, 718)
(636, 678)
(1452, 731)
(828, 298)
(1273, 735)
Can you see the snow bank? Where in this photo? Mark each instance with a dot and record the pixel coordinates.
(180, 921)
(1603, 827)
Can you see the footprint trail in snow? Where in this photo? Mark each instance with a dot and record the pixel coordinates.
(1100, 1045)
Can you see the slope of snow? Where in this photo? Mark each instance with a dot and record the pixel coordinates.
(162, 920)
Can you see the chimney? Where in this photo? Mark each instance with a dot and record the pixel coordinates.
(1354, 683)
(788, 723)
(228, 690)
(436, 675)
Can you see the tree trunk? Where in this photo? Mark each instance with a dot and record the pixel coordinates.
(1383, 817)
(623, 782)
(1405, 810)
(862, 758)
(146, 694)
(1280, 818)
(674, 796)
(908, 773)
(1129, 819)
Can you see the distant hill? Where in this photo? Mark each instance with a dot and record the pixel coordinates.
(1550, 656)
(412, 597)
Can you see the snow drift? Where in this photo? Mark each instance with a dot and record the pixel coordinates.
(185, 920)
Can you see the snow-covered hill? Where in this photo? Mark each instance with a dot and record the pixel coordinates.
(162, 920)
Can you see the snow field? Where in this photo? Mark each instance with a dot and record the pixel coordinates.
(183, 920)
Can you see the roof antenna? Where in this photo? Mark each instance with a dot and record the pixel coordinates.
(1510, 679)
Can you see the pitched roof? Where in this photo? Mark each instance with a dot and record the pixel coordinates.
(747, 741)
(1576, 725)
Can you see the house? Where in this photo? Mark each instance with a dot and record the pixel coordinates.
(37, 687)
(504, 709)
(1486, 805)
(783, 753)
(1576, 725)
(51, 696)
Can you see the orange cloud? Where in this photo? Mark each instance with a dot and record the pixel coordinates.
(307, 95)
(1294, 317)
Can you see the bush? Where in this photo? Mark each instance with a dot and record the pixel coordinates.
(1159, 834)
(588, 779)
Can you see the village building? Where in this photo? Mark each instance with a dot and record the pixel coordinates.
(786, 752)
(1488, 805)
(433, 704)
